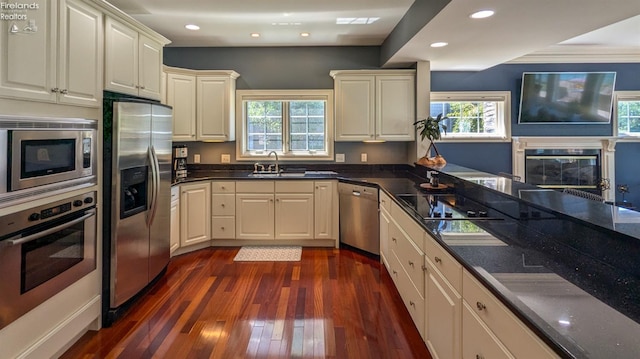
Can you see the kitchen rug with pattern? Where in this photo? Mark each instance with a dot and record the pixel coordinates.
(269, 254)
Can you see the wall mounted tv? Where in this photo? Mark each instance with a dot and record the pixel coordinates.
(566, 97)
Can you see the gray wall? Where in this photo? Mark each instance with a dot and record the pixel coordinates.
(285, 68)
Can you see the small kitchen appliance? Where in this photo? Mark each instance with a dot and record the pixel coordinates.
(180, 162)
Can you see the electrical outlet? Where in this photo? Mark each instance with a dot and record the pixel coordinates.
(225, 158)
(363, 157)
(339, 157)
(196, 158)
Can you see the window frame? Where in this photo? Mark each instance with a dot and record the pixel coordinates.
(243, 154)
(503, 99)
(623, 96)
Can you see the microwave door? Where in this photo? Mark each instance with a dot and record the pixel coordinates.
(131, 197)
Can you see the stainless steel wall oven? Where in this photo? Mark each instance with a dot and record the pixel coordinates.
(45, 154)
(43, 250)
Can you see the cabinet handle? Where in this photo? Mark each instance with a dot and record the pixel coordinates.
(55, 89)
(478, 356)
(394, 272)
(223, 187)
(410, 263)
(278, 200)
(424, 267)
(64, 92)
(317, 187)
(222, 205)
(270, 200)
(222, 228)
(411, 303)
(437, 259)
(394, 239)
(142, 87)
(481, 306)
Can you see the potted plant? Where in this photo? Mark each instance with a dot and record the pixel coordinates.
(430, 128)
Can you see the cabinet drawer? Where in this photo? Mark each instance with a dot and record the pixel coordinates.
(479, 340)
(515, 336)
(411, 259)
(223, 227)
(223, 204)
(223, 187)
(446, 264)
(294, 186)
(255, 186)
(175, 193)
(408, 225)
(413, 300)
(385, 201)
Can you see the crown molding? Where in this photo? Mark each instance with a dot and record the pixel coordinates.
(581, 54)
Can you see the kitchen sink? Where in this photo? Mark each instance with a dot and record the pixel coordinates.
(289, 174)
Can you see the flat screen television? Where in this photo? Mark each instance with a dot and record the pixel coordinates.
(566, 97)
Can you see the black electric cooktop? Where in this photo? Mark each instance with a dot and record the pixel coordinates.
(445, 207)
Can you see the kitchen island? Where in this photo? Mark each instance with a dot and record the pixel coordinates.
(564, 266)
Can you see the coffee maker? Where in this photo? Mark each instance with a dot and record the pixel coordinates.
(179, 168)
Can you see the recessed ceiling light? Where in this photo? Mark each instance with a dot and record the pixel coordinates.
(439, 44)
(255, 34)
(192, 27)
(305, 34)
(482, 14)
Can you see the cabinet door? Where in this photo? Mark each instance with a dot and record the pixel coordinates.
(195, 213)
(149, 68)
(395, 107)
(175, 225)
(181, 95)
(479, 341)
(355, 100)
(294, 216)
(255, 216)
(121, 58)
(443, 316)
(80, 54)
(28, 55)
(324, 209)
(384, 237)
(213, 119)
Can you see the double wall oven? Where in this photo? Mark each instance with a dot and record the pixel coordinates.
(45, 248)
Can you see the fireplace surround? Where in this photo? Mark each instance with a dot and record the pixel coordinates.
(574, 162)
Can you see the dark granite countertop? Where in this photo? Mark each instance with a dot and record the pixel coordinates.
(571, 279)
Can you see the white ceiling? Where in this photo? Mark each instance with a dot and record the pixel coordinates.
(520, 31)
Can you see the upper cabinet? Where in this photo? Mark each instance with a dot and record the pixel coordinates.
(374, 105)
(55, 55)
(203, 104)
(133, 61)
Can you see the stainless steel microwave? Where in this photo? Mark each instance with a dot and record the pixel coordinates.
(46, 153)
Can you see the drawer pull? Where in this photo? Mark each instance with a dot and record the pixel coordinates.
(424, 267)
(222, 205)
(411, 263)
(223, 187)
(222, 228)
(394, 272)
(437, 259)
(394, 239)
(481, 306)
(411, 303)
(478, 356)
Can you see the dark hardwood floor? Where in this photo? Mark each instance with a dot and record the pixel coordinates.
(332, 304)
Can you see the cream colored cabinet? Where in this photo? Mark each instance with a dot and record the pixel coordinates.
(54, 56)
(203, 104)
(325, 210)
(133, 61)
(223, 210)
(294, 215)
(195, 213)
(374, 105)
(255, 210)
(175, 218)
(181, 95)
(443, 313)
(479, 341)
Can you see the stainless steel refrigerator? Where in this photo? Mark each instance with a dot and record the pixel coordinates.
(137, 189)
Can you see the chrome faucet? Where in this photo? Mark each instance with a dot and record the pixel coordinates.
(276, 154)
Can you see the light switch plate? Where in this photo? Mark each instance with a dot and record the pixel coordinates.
(363, 157)
(196, 158)
(225, 158)
(339, 157)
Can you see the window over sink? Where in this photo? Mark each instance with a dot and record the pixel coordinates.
(297, 124)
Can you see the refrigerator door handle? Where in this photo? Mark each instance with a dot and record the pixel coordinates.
(154, 185)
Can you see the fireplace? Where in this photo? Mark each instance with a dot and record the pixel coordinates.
(563, 168)
(566, 162)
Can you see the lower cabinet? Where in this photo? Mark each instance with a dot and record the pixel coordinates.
(195, 213)
(255, 216)
(223, 210)
(175, 218)
(443, 311)
(479, 341)
(294, 215)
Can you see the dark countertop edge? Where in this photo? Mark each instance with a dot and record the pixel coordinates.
(558, 348)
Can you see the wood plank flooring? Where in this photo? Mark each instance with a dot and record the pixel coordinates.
(332, 304)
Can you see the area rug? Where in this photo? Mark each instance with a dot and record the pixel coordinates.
(269, 254)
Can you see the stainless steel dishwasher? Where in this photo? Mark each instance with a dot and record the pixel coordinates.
(359, 221)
